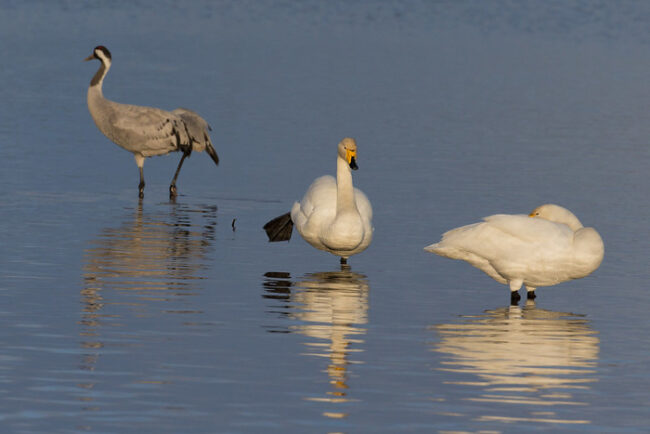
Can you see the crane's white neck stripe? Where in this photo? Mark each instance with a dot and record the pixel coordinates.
(103, 69)
(103, 58)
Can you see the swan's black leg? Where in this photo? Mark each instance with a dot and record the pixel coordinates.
(514, 298)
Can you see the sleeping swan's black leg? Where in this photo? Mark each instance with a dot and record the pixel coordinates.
(514, 298)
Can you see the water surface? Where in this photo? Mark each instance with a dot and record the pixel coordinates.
(120, 315)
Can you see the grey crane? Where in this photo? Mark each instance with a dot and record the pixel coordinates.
(146, 131)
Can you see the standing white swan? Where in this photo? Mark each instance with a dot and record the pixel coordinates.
(547, 247)
(333, 215)
(146, 131)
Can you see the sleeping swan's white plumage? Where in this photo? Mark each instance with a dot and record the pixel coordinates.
(547, 247)
(333, 215)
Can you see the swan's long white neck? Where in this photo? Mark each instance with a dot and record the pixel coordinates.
(574, 224)
(558, 214)
(344, 188)
(565, 216)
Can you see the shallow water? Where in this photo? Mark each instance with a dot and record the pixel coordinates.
(120, 315)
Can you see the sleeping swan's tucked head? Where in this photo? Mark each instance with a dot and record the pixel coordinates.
(589, 249)
(348, 152)
(557, 214)
(547, 247)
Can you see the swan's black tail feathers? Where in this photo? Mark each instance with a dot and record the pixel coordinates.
(280, 228)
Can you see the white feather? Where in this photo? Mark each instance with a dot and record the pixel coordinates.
(548, 247)
(329, 222)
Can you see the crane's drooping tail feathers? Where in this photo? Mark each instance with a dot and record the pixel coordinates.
(280, 228)
(210, 150)
(197, 128)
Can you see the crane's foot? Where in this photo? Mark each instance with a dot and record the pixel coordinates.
(344, 261)
(172, 191)
(532, 295)
(514, 298)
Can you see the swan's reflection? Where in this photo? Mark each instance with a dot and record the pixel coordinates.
(523, 356)
(150, 257)
(330, 308)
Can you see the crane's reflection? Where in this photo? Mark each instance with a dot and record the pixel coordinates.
(129, 269)
(151, 252)
(531, 358)
(330, 308)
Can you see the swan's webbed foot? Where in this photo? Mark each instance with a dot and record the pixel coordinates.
(514, 298)
(280, 228)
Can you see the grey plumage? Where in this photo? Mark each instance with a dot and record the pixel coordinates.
(197, 130)
(146, 131)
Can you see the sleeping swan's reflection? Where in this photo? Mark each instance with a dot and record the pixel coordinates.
(529, 357)
(329, 308)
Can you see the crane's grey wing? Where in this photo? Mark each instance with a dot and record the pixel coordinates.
(147, 130)
(198, 131)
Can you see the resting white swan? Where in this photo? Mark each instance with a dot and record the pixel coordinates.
(333, 215)
(547, 247)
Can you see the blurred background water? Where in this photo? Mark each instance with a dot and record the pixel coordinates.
(120, 316)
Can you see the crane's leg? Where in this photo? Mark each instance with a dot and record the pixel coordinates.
(139, 160)
(172, 186)
(141, 185)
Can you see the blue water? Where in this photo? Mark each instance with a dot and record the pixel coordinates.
(125, 316)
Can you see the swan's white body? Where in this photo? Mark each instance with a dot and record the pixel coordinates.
(344, 233)
(545, 248)
(333, 215)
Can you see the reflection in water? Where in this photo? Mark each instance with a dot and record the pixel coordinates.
(523, 357)
(330, 308)
(150, 257)
(148, 253)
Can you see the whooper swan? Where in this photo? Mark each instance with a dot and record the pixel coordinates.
(333, 215)
(547, 247)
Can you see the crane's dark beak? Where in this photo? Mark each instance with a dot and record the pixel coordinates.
(353, 163)
(91, 57)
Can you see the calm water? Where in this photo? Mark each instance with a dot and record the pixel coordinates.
(120, 316)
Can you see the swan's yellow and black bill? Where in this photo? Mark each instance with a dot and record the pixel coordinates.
(351, 156)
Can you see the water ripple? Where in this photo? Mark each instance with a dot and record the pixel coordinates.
(526, 357)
